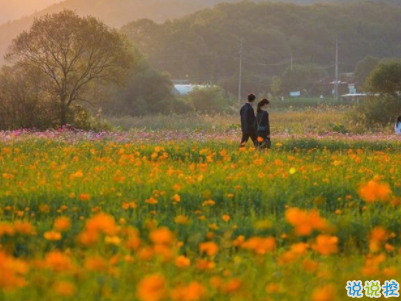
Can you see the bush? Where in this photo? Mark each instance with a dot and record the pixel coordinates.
(377, 110)
(209, 99)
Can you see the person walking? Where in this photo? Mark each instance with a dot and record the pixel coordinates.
(263, 125)
(248, 121)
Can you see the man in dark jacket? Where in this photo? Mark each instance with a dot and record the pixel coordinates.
(248, 121)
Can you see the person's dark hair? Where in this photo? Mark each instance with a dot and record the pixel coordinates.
(262, 103)
(251, 97)
(398, 119)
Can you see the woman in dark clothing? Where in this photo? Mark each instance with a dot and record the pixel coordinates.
(263, 125)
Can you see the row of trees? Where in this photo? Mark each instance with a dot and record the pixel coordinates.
(205, 46)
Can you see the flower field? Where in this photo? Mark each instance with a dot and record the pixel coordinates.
(174, 216)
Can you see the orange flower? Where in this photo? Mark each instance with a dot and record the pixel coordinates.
(210, 248)
(85, 197)
(152, 288)
(58, 261)
(377, 237)
(65, 288)
(162, 236)
(12, 272)
(181, 219)
(226, 218)
(260, 245)
(260, 139)
(102, 223)
(62, 223)
(324, 293)
(193, 292)
(325, 245)
(24, 228)
(182, 261)
(305, 222)
(374, 191)
(52, 235)
(151, 201)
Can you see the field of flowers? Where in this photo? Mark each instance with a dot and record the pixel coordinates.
(154, 216)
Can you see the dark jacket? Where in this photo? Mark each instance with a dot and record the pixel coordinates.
(262, 119)
(247, 119)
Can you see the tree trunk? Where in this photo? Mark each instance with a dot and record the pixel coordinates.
(63, 113)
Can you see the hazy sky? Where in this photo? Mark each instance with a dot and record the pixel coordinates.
(14, 9)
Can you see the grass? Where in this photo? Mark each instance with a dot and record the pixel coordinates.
(313, 118)
(101, 220)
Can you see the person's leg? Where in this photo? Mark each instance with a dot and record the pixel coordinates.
(254, 138)
(244, 140)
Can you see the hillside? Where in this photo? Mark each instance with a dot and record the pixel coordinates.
(114, 13)
(205, 46)
(11, 10)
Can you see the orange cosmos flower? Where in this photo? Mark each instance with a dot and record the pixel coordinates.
(162, 236)
(64, 288)
(325, 244)
(210, 248)
(152, 288)
(377, 237)
(58, 261)
(193, 292)
(305, 222)
(226, 218)
(12, 272)
(374, 190)
(324, 293)
(62, 223)
(52, 235)
(260, 245)
(85, 197)
(182, 261)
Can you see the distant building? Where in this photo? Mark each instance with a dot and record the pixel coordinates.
(185, 89)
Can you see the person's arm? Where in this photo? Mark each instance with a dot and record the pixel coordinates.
(267, 124)
(251, 118)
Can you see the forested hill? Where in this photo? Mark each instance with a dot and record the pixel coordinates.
(205, 45)
(115, 13)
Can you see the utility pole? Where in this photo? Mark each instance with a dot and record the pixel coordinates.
(240, 72)
(292, 60)
(336, 94)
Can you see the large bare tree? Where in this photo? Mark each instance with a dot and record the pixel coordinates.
(74, 53)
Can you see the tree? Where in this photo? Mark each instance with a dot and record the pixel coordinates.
(74, 54)
(384, 108)
(364, 68)
(276, 86)
(385, 79)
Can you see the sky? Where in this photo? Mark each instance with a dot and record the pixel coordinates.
(15, 9)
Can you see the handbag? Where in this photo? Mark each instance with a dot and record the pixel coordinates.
(260, 128)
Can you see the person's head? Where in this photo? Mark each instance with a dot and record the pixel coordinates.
(251, 98)
(399, 119)
(263, 105)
